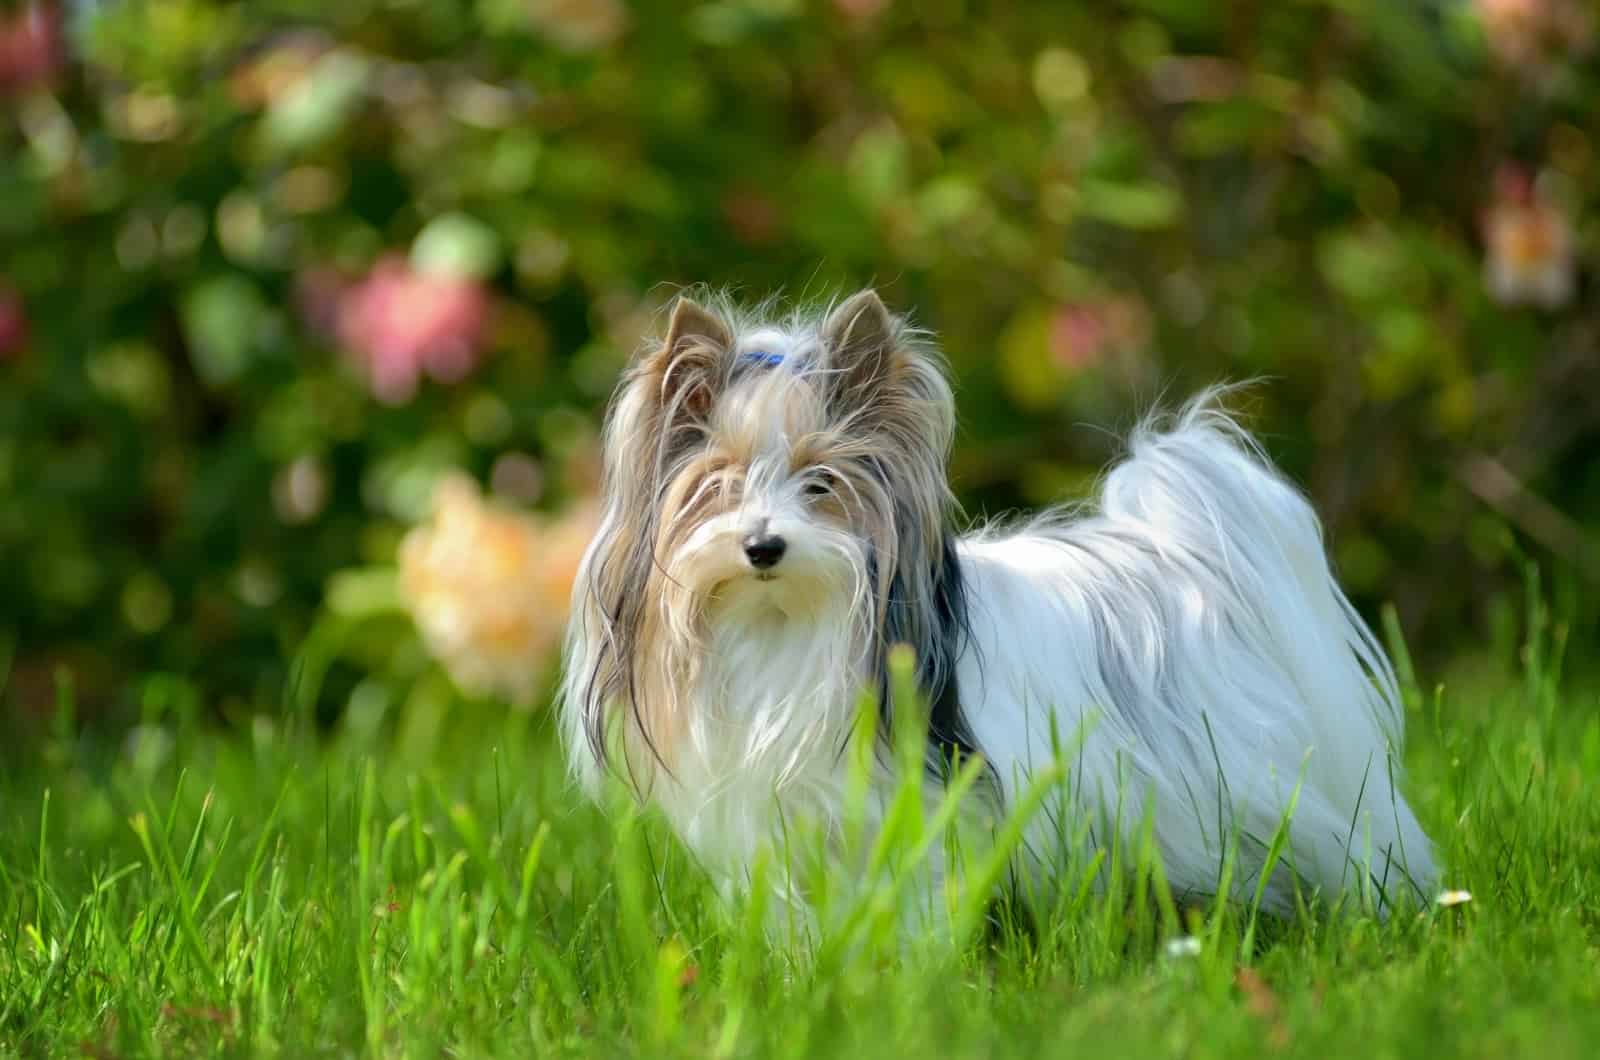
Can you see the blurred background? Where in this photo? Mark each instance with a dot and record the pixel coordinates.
(308, 311)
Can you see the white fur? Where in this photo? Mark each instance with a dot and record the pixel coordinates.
(1183, 638)
(1191, 634)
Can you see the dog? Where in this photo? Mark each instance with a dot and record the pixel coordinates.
(777, 518)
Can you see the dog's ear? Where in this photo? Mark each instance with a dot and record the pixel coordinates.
(686, 372)
(861, 340)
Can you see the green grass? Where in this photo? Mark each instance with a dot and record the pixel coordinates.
(436, 888)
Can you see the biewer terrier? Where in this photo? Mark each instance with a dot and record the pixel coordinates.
(777, 517)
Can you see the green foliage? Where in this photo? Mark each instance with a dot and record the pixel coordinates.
(1093, 204)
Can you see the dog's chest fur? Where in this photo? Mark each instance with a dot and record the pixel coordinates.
(770, 707)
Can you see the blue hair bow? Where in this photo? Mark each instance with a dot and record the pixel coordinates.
(761, 357)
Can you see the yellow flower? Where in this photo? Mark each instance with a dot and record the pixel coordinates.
(489, 588)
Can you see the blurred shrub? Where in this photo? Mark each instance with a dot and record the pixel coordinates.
(269, 270)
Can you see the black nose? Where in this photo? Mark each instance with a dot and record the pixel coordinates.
(764, 550)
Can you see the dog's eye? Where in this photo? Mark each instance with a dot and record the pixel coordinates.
(820, 484)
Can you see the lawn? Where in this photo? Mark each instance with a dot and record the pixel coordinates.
(433, 887)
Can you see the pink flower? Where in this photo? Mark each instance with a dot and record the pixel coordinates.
(579, 25)
(861, 9)
(1529, 254)
(1084, 334)
(1078, 336)
(31, 48)
(401, 324)
(13, 324)
(1521, 33)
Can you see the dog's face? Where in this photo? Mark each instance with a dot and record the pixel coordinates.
(756, 476)
(772, 497)
(771, 505)
(774, 449)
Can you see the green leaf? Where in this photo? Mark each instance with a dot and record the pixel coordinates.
(364, 592)
(221, 318)
(1030, 378)
(319, 105)
(1144, 205)
(1219, 128)
(456, 245)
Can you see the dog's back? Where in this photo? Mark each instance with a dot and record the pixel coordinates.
(1187, 644)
